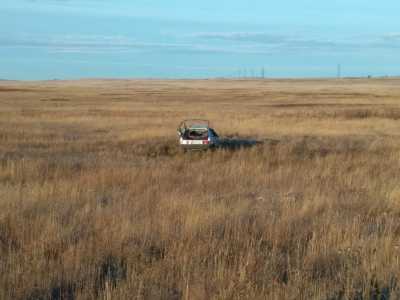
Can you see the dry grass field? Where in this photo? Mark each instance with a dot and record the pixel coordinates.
(98, 202)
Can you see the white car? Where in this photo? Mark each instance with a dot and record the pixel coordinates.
(197, 135)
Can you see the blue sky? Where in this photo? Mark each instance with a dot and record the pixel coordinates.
(67, 39)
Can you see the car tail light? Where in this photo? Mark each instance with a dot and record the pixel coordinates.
(206, 142)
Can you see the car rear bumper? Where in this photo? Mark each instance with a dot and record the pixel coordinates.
(197, 147)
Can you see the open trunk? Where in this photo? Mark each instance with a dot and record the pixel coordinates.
(196, 134)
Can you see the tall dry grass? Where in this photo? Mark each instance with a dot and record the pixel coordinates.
(97, 201)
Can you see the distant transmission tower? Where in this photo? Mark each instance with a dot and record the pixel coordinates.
(263, 73)
(339, 71)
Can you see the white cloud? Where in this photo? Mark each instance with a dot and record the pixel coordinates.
(285, 42)
(253, 43)
(296, 42)
(104, 44)
(394, 36)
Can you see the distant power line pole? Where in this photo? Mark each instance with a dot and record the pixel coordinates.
(262, 72)
(339, 71)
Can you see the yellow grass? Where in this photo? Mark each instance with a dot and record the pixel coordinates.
(98, 202)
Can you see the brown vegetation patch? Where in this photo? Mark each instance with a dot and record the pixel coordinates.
(10, 90)
(336, 94)
(56, 100)
(321, 104)
(340, 112)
